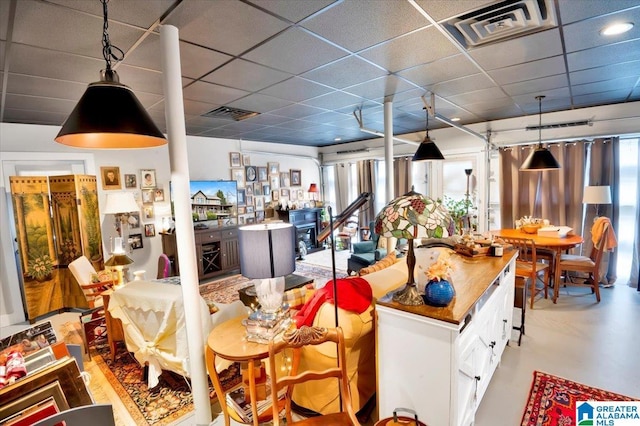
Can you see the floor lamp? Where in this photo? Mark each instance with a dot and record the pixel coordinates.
(597, 195)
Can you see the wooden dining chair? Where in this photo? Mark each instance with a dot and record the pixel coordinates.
(529, 267)
(589, 264)
(294, 341)
(92, 319)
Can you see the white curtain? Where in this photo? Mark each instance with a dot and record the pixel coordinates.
(635, 260)
(342, 187)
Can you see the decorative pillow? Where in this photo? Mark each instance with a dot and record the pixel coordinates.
(389, 260)
(296, 297)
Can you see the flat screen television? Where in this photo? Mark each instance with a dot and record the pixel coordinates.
(213, 202)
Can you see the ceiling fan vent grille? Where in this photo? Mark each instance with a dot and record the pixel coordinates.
(229, 113)
(502, 21)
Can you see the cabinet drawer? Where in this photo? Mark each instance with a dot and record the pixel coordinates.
(229, 233)
(207, 236)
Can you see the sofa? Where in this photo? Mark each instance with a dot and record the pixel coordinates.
(359, 333)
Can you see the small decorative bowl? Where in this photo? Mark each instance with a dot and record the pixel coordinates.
(530, 228)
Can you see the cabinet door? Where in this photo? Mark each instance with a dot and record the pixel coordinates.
(467, 379)
(230, 255)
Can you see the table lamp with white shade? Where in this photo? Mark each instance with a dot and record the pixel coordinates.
(598, 194)
(267, 255)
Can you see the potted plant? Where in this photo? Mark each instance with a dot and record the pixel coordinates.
(40, 266)
(458, 210)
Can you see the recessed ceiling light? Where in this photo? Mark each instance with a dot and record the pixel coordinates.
(617, 28)
(455, 119)
(338, 139)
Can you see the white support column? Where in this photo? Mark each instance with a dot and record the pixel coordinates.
(388, 160)
(388, 149)
(174, 113)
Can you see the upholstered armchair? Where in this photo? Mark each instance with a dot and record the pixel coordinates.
(365, 253)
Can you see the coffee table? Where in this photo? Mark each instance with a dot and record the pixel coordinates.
(248, 294)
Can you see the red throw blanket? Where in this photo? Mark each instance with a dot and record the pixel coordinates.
(354, 294)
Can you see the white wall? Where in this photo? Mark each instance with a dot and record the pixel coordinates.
(208, 159)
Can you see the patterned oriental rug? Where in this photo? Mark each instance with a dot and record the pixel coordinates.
(171, 398)
(552, 400)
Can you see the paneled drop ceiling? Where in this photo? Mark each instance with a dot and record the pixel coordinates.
(306, 65)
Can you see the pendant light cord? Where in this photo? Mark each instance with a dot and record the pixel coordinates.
(107, 47)
(427, 127)
(539, 98)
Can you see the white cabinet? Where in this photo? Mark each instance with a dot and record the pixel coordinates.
(440, 363)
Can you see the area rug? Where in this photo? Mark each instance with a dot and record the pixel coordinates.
(225, 290)
(552, 400)
(162, 405)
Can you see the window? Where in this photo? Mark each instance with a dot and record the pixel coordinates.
(628, 195)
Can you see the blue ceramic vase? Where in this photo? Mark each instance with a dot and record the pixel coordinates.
(438, 293)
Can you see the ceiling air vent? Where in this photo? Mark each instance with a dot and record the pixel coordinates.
(561, 125)
(501, 21)
(229, 113)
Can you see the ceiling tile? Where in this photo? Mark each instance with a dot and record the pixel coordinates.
(380, 87)
(48, 63)
(571, 13)
(212, 93)
(358, 24)
(34, 117)
(195, 61)
(604, 55)
(611, 97)
(288, 52)
(33, 103)
(619, 84)
(296, 89)
(293, 11)
(345, 72)
(461, 85)
(441, 10)
(4, 19)
(333, 101)
(246, 75)
(529, 70)
(523, 49)
(139, 13)
(267, 119)
(618, 70)
(586, 34)
(492, 94)
(141, 79)
(230, 27)
(297, 111)
(419, 47)
(442, 70)
(537, 85)
(81, 34)
(36, 86)
(259, 103)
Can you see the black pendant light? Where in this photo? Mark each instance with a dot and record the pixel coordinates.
(427, 150)
(541, 158)
(109, 115)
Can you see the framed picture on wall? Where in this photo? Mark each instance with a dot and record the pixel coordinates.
(241, 198)
(136, 241)
(262, 174)
(149, 230)
(259, 203)
(147, 209)
(257, 188)
(296, 178)
(285, 179)
(158, 195)
(148, 178)
(275, 194)
(274, 168)
(238, 176)
(284, 193)
(134, 220)
(110, 177)
(147, 196)
(274, 181)
(234, 159)
(293, 195)
(246, 160)
(250, 173)
(130, 181)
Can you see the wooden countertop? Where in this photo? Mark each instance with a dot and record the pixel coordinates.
(471, 278)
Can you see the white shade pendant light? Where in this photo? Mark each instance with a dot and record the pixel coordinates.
(109, 115)
(541, 158)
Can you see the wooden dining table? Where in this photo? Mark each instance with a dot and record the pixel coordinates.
(556, 244)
